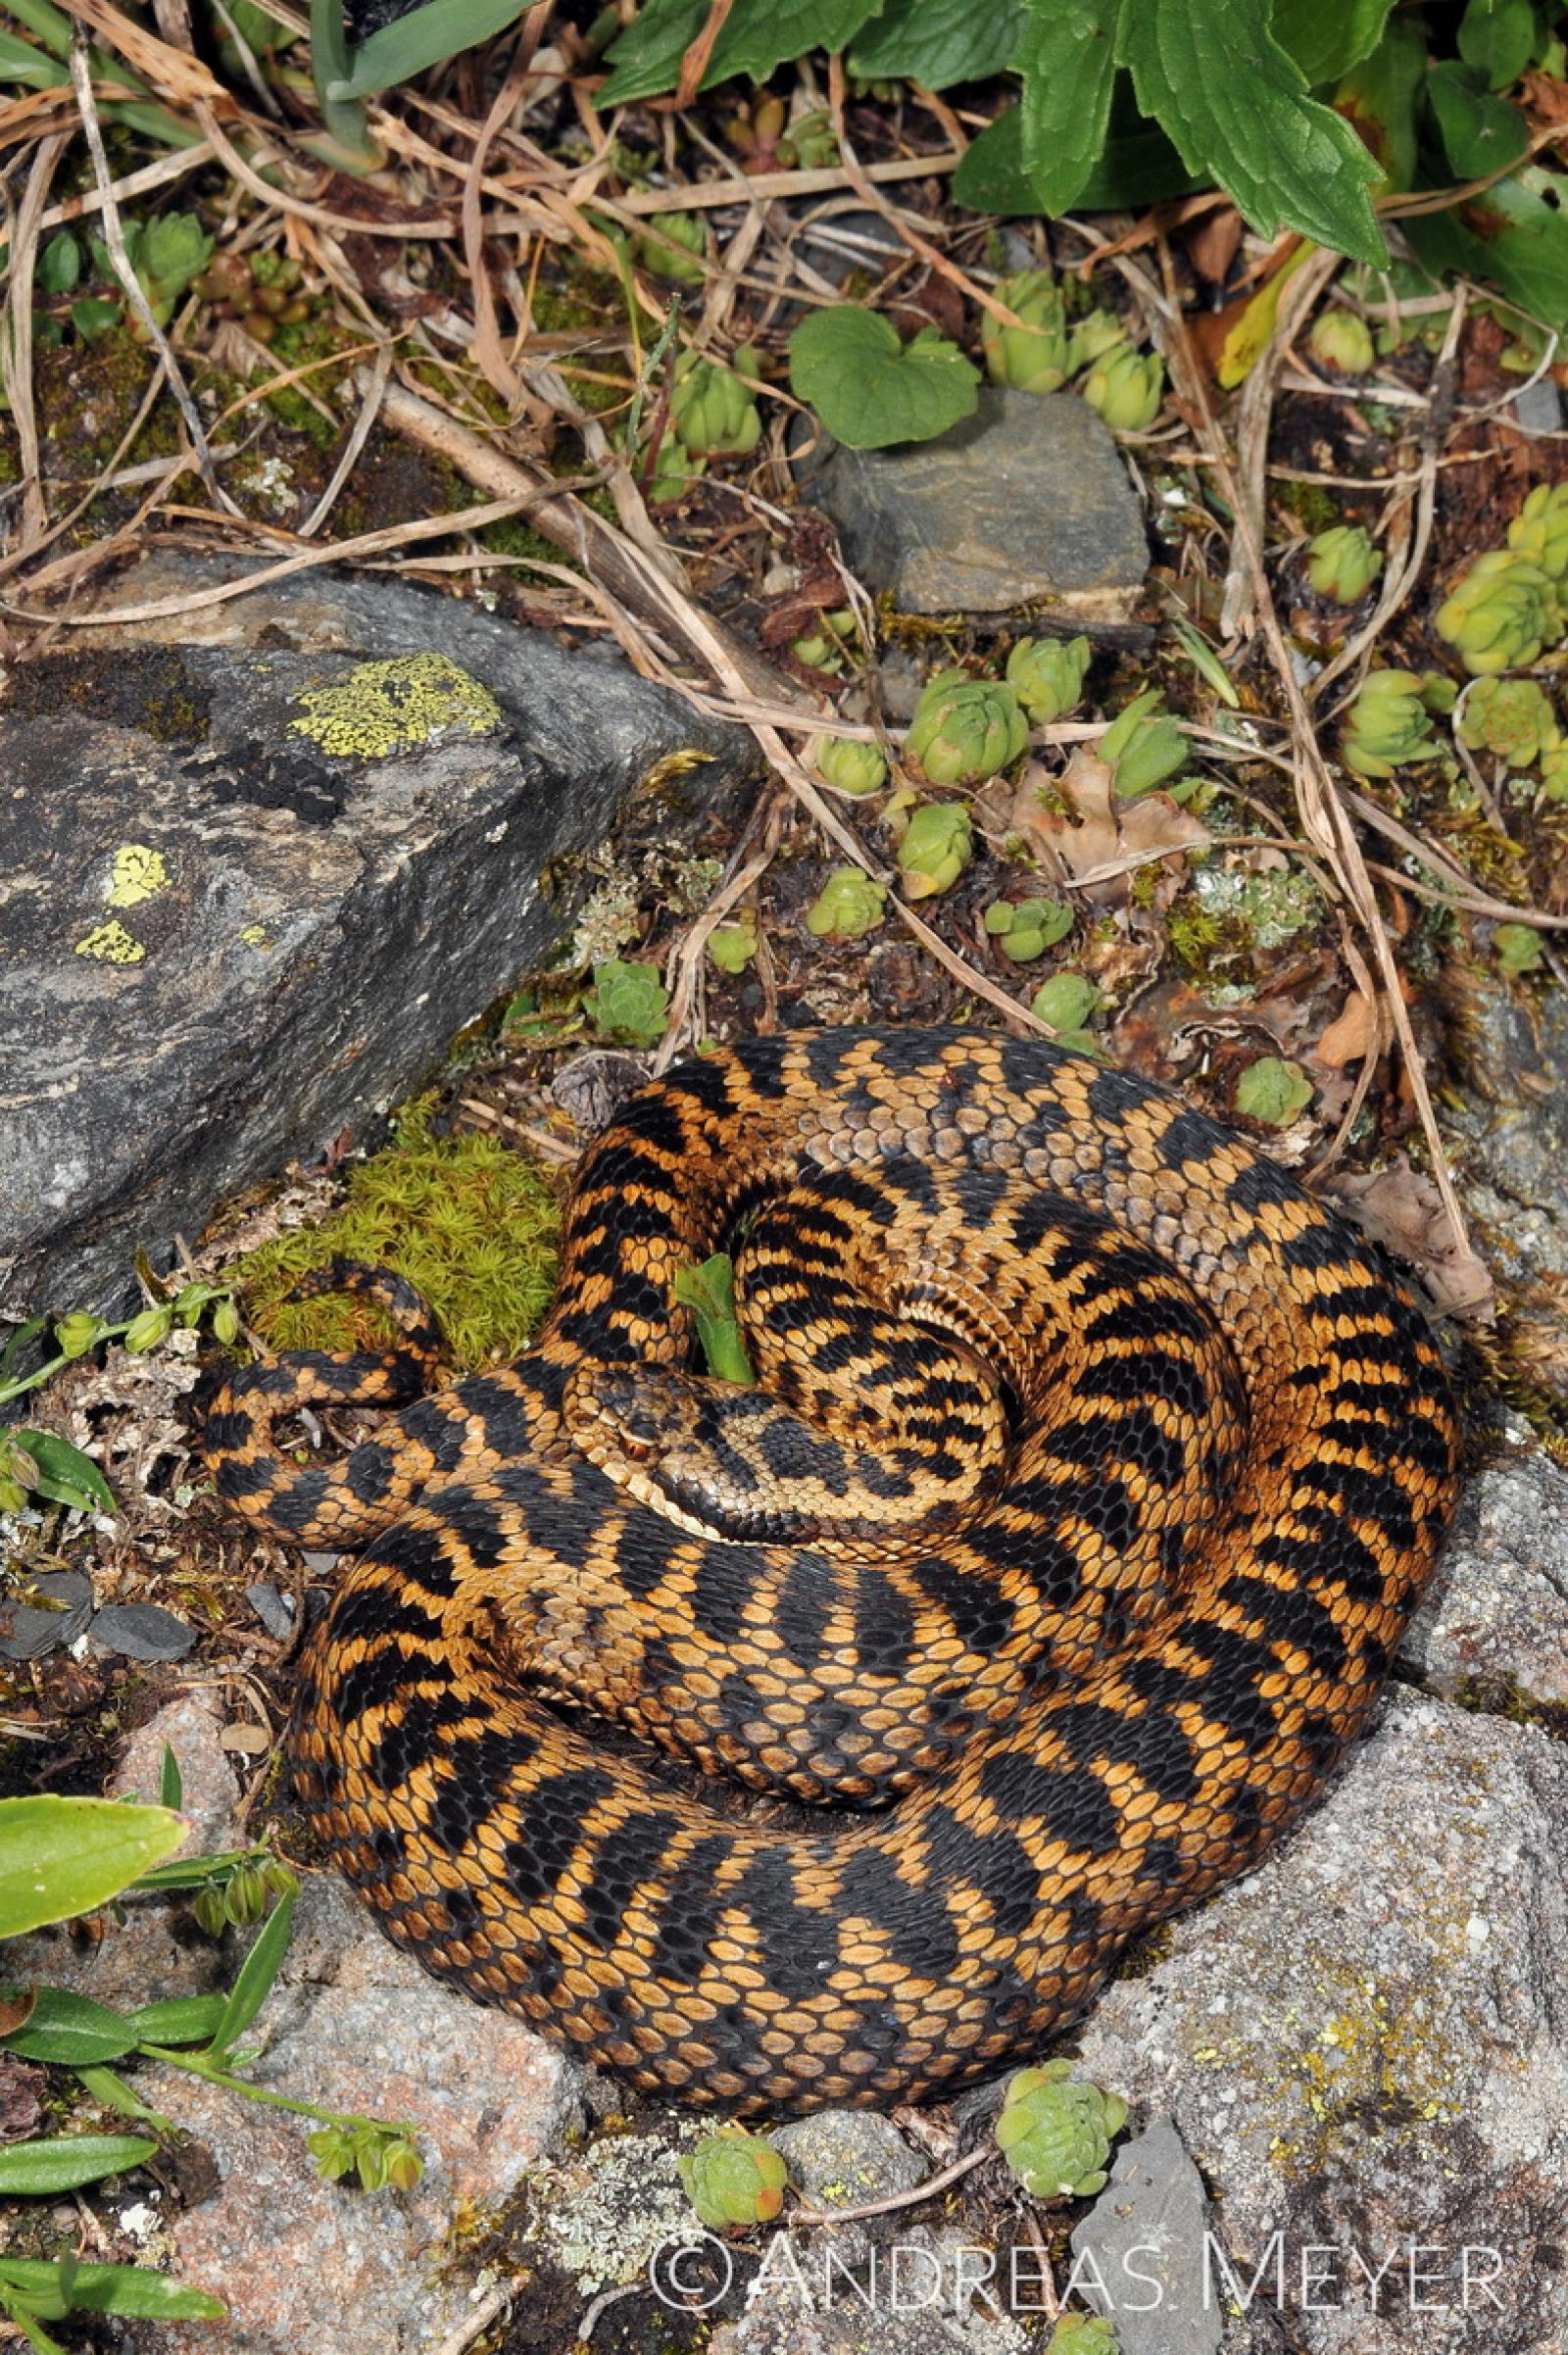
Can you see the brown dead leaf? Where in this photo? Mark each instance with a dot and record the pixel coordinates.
(1546, 100)
(1401, 1208)
(15, 2011)
(1214, 243)
(1352, 1036)
(175, 74)
(1096, 845)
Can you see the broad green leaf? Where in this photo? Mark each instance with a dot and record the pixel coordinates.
(60, 1857)
(1068, 60)
(61, 2162)
(1137, 168)
(21, 62)
(1326, 39)
(257, 1973)
(757, 36)
(709, 1291)
(330, 60)
(938, 42)
(426, 37)
(1378, 98)
(1514, 235)
(59, 268)
(71, 2030)
(179, 2020)
(54, 2290)
(64, 1475)
(647, 57)
(869, 390)
(1481, 133)
(1235, 106)
(1498, 37)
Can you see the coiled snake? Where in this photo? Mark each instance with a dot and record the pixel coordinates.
(1094, 1471)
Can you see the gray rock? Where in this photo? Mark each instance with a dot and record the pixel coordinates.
(1537, 409)
(1492, 1630)
(28, 1630)
(274, 1610)
(140, 1631)
(1362, 2045)
(842, 2157)
(1138, 2253)
(228, 939)
(1027, 500)
(901, 2288)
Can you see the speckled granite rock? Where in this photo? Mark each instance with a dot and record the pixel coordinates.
(1364, 2046)
(1027, 498)
(242, 913)
(1494, 1628)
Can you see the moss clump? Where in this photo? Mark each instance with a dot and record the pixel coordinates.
(472, 1224)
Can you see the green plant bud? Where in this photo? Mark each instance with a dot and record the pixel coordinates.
(1273, 1092)
(964, 730)
(673, 248)
(1539, 532)
(810, 143)
(1339, 340)
(1025, 929)
(209, 1910)
(332, 2149)
(1082, 2334)
(1144, 745)
(1518, 948)
(1127, 388)
(1064, 1005)
(1342, 564)
(1500, 613)
(1439, 693)
(1055, 2132)
(1510, 717)
(1032, 358)
(280, 1882)
(370, 2157)
(732, 947)
(225, 1323)
(1386, 725)
(1095, 338)
(848, 767)
(735, 2180)
(710, 408)
(245, 1896)
(404, 2165)
(1554, 775)
(674, 471)
(848, 905)
(938, 845)
(1046, 676)
(146, 1331)
(13, 1496)
(75, 1334)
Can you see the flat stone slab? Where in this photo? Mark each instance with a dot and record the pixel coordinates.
(250, 887)
(1026, 501)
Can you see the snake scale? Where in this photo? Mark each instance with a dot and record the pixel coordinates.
(1092, 1472)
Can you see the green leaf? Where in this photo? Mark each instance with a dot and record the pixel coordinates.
(938, 42)
(1327, 40)
(59, 268)
(71, 2030)
(114, 2093)
(1069, 59)
(1378, 98)
(254, 1983)
(629, 1002)
(869, 390)
(709, 1292)
(60, 1857)
(426, 37)
(179, 2020)
(757, 36)
(170, 1782)
(1135, 167)
(55, 2290)
(1514, 235)
(22, 1334)
(1498, 37)
(1273, 1092)
(1235, 106)
(64, 1475)
(95, 315)
(21, 62)
(1480, 134)
(61, 2162)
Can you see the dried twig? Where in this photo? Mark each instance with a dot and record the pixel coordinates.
(18, 326)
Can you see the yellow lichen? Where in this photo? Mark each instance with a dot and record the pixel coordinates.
(140, 873)
(112, 944)
(256, 936)
(392, 706)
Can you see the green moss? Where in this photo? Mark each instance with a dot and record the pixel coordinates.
(472, 1224)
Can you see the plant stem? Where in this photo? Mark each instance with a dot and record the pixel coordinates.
(196, 2064)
